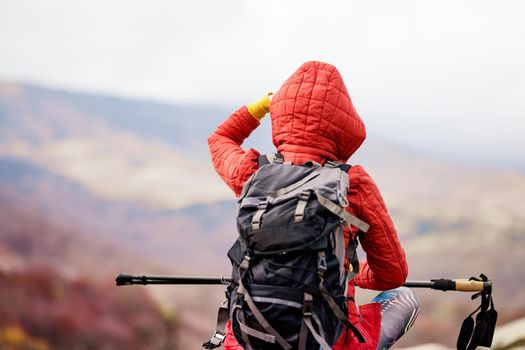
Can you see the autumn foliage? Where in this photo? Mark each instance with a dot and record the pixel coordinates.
(41, 310)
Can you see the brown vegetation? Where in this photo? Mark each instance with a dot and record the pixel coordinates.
(38, 308)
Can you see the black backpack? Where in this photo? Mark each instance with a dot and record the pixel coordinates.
(290, 266)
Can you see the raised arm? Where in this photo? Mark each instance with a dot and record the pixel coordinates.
(233, 164)
(386, 266)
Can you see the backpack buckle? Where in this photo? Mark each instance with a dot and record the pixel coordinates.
(278, 158)
(304, 195)
(301, 205)
(245, 263)
(307, 305)
(216, 340)
(331, 164)
(256, 220)
(322, 266)
(219, 336)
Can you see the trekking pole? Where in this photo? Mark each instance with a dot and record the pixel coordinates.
(473, 333)
(461, 285)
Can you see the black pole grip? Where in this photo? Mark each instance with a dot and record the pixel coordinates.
(444, 284)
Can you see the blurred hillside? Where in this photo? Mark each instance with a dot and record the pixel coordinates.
(132, 180)
(57, 290)
(42, 310)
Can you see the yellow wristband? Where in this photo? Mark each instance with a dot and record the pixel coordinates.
(259, 108)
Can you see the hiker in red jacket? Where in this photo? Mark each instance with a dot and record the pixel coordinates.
(313, 119)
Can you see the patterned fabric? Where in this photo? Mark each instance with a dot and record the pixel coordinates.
(399, 310)
(313, 119)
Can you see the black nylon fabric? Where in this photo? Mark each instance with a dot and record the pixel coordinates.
(283, 236)
(286, 319)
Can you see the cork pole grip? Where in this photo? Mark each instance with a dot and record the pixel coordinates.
(469, 286)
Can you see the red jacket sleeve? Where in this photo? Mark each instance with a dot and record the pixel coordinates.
(386, 266)
(233, 164)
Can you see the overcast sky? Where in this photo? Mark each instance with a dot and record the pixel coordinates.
(446, 77)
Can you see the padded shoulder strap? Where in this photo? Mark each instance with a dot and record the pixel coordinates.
(342, 213)
(345, 167)
(265, 159)
(334, 164)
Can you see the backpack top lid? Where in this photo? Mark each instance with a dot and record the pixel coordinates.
(279, 197)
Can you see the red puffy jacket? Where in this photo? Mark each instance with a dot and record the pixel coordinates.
(313, 118)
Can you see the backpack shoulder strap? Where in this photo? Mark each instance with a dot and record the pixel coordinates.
(334, 164)
(334, 208)
(342, 213)
(265, 159)
(345, 167)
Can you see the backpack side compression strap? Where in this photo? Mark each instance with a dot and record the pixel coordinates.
(342, 213)
(339, 314)
(306, 324)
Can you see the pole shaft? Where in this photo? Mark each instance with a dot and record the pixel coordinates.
(184, 280)
(419, 284)
(124, 279)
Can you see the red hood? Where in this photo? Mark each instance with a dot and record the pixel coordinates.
(313, 117)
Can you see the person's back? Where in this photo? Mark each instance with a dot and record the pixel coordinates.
(313, 119)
